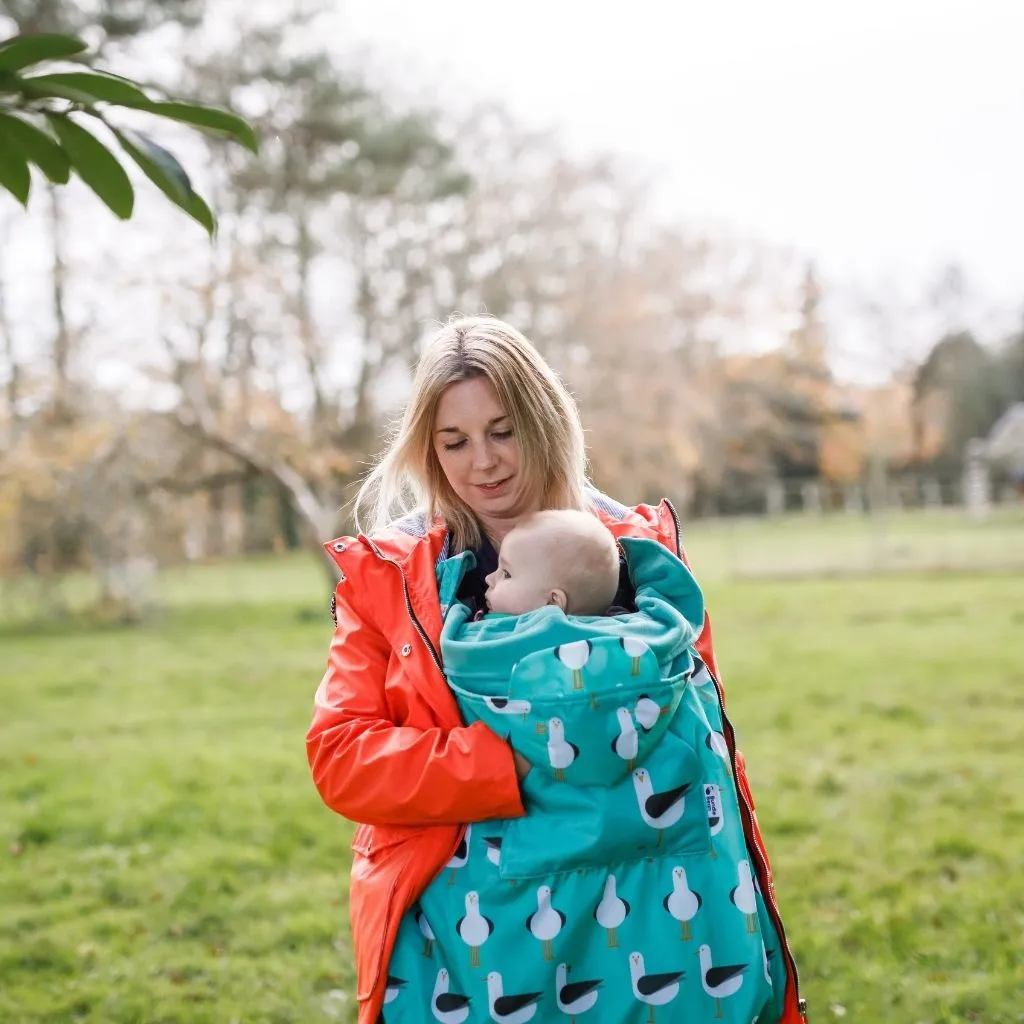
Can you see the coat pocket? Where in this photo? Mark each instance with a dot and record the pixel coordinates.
(371, 904)
(657, 810)
(373, 894)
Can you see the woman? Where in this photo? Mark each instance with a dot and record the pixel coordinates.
(489, 436)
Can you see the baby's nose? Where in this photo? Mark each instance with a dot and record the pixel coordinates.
(489, 578)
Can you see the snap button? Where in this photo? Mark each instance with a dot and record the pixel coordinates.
(339, 546)
(406, 650)
(342, 577)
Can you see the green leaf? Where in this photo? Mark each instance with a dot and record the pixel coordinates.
(159, 165)
(203, 214)
(163, 169)
(15, 176)
(56, 91)
(36, 146)
(95, 165)
(94, 87)
(209, 117)
(21, 51)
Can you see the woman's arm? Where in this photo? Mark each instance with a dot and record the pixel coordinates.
(375, 772)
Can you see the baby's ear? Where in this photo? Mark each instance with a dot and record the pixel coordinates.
(558, 597)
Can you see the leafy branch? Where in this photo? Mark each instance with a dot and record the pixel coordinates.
(41, 124)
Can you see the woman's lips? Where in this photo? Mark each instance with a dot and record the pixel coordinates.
(495, 487)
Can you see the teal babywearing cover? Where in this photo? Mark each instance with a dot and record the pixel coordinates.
(626, 893)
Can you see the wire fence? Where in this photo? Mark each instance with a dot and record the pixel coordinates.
(894, 540)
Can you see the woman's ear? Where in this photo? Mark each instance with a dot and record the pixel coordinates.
(559, 597)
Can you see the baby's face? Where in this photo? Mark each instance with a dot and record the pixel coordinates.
(525, 578)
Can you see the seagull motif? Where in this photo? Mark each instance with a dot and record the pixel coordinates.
(574, 997)
(545, 922)
(719, 982)
(448, 1007)
(474, 929)
(611, 912)
(648, 711)
(766, 957)
(659, 810)
(508, 706)
(460, 857)
(627, 743)
(561, 753)
(517, 1009)
(703, 683)
(742, 895)
(493, 844)
(682, 902)
(429, 938)
(653, 989)
(392, 987)
(574, 656)
(715, 742)
(635, 649)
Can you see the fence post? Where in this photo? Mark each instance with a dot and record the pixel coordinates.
(977, 486)
(811, 495)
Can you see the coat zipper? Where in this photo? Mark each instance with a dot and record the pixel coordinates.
(759, 851)
(408, 604)
(430, 647)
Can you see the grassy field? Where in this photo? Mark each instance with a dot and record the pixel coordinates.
(796, 546)
(164, 857)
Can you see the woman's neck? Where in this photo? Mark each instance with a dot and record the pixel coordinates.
(497, 531)
(497, 528)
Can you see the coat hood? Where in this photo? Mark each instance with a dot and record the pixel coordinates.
(583, 697)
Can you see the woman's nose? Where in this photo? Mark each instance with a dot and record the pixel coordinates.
(483, 456)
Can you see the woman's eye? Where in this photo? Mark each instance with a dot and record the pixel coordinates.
(502, 435)
(454, 446)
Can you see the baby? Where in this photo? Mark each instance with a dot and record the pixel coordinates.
(561, 557)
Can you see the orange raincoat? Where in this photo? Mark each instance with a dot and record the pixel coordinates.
(388, 749)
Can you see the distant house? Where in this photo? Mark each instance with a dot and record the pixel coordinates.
(1005, 442)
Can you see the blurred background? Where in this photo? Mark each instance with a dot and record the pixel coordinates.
(775, 250)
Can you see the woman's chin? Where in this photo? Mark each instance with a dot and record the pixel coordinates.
(503, 505)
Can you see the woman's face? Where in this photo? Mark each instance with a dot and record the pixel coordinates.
(479, 455)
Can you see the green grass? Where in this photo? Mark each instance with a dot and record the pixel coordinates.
(844, 545)
(164, 857)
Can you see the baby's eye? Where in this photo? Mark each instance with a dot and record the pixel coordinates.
(505, 574)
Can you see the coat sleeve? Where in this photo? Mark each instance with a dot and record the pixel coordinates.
(373, 771)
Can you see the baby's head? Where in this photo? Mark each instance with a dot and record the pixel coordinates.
(559, 556)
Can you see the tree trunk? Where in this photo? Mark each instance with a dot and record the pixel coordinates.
(13, 386)
(304, 252)
(320, 519)
(62, 337)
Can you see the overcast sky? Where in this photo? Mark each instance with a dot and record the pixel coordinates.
(886, 139)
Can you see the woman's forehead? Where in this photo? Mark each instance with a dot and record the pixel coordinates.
(468, 403)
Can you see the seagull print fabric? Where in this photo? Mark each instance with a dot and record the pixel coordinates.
(625, 895)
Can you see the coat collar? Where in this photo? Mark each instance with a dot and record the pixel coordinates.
(406, 537)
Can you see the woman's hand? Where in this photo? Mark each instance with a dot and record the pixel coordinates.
(523, 767)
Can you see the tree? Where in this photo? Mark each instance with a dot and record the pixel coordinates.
(958, 395)
(42, 124)
(107, 22)
(269, 377)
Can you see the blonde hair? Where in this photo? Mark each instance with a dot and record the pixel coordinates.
(545, 422)
(581, 554)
